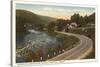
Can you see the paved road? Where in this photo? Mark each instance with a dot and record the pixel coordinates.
(80, 51)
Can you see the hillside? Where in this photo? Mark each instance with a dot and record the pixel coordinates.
(24, 17)
(47, 19)
(27, 17)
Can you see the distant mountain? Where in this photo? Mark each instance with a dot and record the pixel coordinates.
(46, 18)
(24, 17)
(30, 17)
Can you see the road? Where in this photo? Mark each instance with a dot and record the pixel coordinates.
(80, 51)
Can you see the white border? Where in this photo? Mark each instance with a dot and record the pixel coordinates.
(13, 61)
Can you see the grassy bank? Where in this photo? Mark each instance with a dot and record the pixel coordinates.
(89, 32)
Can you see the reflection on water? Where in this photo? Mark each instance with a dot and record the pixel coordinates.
(33, 41)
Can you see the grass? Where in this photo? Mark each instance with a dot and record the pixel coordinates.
(89, 32)
(68, 42)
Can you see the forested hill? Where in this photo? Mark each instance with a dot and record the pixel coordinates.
(24, 17)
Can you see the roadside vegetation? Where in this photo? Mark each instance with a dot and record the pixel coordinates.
(65, 43)
(89, 32)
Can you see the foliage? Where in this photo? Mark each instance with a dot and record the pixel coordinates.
(51, 26)
(24, 17)
(81, 21)
(61, 24)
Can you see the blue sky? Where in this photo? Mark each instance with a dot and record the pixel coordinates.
(55, 11)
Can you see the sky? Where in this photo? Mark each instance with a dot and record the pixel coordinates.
(64, 12)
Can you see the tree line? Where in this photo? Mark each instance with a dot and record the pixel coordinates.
(61, 24)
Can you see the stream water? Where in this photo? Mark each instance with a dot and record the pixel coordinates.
(37, 40)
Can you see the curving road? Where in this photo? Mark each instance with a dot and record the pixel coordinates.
(80, 51)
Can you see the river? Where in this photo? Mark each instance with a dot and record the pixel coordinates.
(38, 40)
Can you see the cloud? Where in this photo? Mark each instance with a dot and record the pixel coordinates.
(48, 8)
(61, 10)
(53, 9)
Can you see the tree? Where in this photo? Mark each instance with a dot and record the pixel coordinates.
(75, 18)
(82, 21)
(61, 24)
(40, 27)
(20, 29)
(86, 19)
(51, 26)
(30, 56)
(92, 18)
